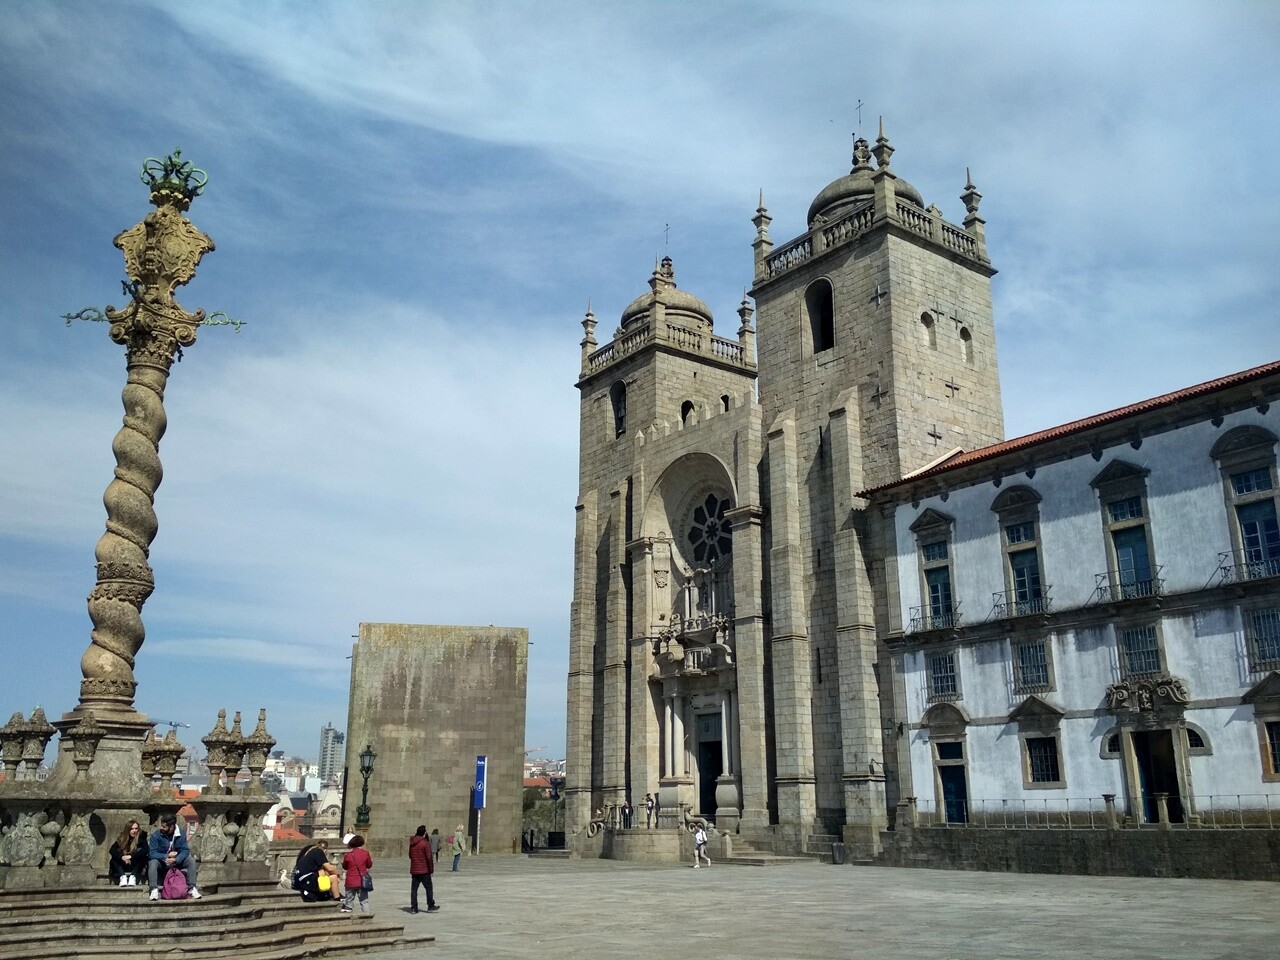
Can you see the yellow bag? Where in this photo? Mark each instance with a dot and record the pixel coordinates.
(323, 882)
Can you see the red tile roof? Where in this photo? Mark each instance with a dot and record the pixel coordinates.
(967, 458)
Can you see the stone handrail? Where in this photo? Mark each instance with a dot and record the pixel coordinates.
(915, 220)
(682, 337)
(790, 256)
(850, 227)
(958, 240)
(846, 229)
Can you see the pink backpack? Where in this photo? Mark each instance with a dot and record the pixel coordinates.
(175, 885)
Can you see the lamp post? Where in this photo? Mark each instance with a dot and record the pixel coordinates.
(367, 756)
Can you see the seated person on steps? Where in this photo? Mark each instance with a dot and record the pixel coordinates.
(169, 850)
(311, 865)
(128, 856)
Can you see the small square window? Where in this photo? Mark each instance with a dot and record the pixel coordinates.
(1020, 532)
(943, 682)
(1139, 651)
(1251, 481)
(1042, 759)
(934, 552)
(1127, 509)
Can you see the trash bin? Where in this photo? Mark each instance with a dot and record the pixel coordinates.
(837, 853)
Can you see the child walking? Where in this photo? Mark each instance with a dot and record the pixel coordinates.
(356, 864)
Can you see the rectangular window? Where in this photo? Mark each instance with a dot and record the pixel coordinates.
(1042, 759)
(1251, 481)
(1133, 562)
(938, 581)
(1025, 567)
(1020, 532)
(943, 682)
(1139, 652)
(1127, 509)
(1264, 638)
(1273, 744)
(1031, 667)
(934, 552)
(1260, 537)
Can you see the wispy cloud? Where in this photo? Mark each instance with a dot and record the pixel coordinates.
(412, 204)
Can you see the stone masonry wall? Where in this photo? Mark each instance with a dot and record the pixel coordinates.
(429, 699)
(1203, 854)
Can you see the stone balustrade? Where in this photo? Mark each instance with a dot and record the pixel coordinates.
(826, 236)
(684, 338)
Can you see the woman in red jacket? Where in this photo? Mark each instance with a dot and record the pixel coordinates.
(421, 866)
(356, 864)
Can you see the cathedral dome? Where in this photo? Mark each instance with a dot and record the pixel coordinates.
(856, 188)
(678, 304)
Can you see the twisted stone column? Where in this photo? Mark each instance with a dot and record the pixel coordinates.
(161, 253)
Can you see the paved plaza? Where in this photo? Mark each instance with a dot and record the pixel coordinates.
(498, 907)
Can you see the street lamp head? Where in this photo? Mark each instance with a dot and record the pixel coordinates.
(367, 756)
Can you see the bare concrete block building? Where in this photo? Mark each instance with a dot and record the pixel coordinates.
(429, 700)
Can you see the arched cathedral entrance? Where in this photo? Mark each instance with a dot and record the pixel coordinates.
(693, 678)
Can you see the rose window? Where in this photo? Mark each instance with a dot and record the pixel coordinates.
(709, 533)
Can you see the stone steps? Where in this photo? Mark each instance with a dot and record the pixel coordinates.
(248, 921)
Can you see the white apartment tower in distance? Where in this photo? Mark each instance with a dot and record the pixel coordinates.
(332, 750)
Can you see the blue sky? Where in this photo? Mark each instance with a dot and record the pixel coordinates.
(412, 204)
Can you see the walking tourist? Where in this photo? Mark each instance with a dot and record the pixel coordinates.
(437, 842)
(422, 864)
(648, 811)
(129, 856)
(169, 851)
(700, 847)
(356, 864)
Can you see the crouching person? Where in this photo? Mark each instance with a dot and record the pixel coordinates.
(129, 856)
(169, 851)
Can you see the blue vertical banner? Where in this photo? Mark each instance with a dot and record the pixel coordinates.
(482, 782)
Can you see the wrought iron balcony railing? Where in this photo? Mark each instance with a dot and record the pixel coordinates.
(1112, 587)
(1237, 569)
(1009, 604)
(934, 618)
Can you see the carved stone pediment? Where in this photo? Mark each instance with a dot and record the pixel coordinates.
(1036, 712)
(1266, 692)
(1147, 697)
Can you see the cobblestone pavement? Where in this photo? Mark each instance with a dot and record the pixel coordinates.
(498, 907)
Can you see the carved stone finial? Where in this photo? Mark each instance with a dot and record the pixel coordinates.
(234, 753)
(84, 737)
(883, 150)
(861, 155)
(37, 732)
(215, 743)
(259, 745)
(11, 740)
(762, 221)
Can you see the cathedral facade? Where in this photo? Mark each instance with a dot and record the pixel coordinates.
(724, 651)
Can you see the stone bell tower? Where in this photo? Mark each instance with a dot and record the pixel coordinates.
(668, 417)
(877, 356)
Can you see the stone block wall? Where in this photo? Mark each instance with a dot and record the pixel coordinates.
(1202, 854)
(429, 699)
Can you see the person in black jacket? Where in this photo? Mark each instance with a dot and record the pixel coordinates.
(128, 856)
(311, 863)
